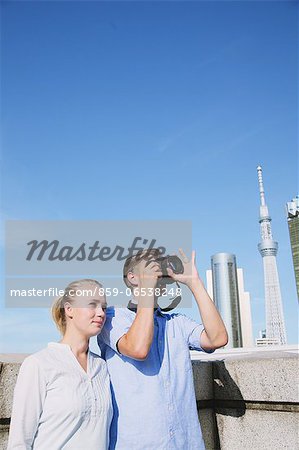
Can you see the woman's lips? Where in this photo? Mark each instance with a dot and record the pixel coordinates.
(98, 322)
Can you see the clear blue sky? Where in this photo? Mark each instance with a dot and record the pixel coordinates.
(152, 110)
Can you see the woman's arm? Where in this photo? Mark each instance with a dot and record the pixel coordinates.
(29, 396)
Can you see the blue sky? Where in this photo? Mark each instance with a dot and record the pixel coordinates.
(151, 110)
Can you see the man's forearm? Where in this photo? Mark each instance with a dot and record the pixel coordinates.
(211, 319)
(137, 341)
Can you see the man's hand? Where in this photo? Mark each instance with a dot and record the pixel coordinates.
(147, 273)
(190, 276)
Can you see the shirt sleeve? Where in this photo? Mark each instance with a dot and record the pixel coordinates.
(116, 325)
(29, 396)
(193, 331)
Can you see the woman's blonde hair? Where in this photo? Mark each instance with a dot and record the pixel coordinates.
(58, 311)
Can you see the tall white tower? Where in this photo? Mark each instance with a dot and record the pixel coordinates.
(275, 326)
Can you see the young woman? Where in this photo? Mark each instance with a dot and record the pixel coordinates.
(62, 396)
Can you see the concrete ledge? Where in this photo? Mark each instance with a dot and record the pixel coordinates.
(268, 380)
(258, 430)
(249, 403)
(254, 401)
(8, 378)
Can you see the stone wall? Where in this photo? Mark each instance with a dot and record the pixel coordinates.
(252, 402)
(243, 403)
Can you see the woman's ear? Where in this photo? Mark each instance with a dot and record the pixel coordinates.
(68, 309)
(132, 278)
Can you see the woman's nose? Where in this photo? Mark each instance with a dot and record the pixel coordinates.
(100, 312)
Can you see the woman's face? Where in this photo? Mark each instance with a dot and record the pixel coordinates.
(87, 310)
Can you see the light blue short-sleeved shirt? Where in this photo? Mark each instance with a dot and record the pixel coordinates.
(154, 400)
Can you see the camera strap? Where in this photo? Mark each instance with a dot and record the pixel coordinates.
(174, 303)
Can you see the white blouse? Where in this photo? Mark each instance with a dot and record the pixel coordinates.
(57, 405)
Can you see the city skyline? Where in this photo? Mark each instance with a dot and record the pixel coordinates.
(151, 110)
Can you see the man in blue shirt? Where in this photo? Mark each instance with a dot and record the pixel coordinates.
(148, 359)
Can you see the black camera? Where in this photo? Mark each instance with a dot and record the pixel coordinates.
(172, 262)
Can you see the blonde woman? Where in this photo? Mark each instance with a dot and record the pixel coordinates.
(62, 396)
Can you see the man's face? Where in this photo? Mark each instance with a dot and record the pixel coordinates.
(138, 267)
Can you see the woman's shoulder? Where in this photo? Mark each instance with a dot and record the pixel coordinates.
(34, 362)
(42, 358)
(36, 356)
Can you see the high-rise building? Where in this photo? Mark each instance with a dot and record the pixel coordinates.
(245, 311)
(275, 326)
(226, 295)
(244, 307)
(293, 223)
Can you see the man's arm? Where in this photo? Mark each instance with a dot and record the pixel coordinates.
(136, 343)
(214, 334)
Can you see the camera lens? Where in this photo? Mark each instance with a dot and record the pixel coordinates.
(175, 264)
